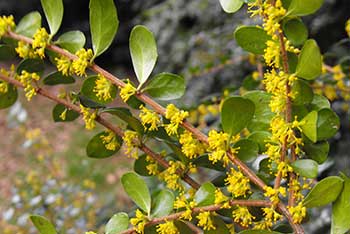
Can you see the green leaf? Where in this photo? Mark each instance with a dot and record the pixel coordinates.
(137, 190)
(327, 124)
(341, 210)
(143, 51)
(263, 114)
(302, 7)
(166, 86)
(103, 24)
(295, 31)
(205, 195)
(87, 102)
(310, 61)
(324, 192)
(231, 6)
(53, 10)
(203, 161)
(125, 115)
(220, 226)
(260, 137)
(252, 39)
(88, 87)
(9, 98)
(29, 24)
(248, 150)
(56, 78)
(96, 148)
(71, 41)
(70, 114)
(319, 102)
(162, 204)
(306, 167)
(183, 227)
(140, 165)
(258, 232)
(7, 52)
(302, 93)
(236, 114)
(43, 225)
(30, 65)
(309, 128)
(118, 223)
(318, 151)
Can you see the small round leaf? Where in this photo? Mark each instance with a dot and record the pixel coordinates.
(252, 39)
(96, 148)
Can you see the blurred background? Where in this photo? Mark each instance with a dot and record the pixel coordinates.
(44, 168)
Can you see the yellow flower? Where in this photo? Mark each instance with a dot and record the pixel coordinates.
(82, 62)
(152, 169)
(103, 88)
(171, 176)
(3, 87)
(88, 117)
(271, 216)
(237, 183)
(272, 53)
(40, 41)
(273, 194)
(127, 91)
(176, 117)
(90, 232)
(109, 139)
(6, 23)
(63, 115)
(167, 228)
(347, 27)
(298, 212)
(205, 221)
(221, 198)
(26, 79)
(150, 120)
(191, 147)
(218, 143)
(139, 221)
(284, 168)
(274, 13)
(25, 50)
(129, 139)
(242, 216)
(64, 65)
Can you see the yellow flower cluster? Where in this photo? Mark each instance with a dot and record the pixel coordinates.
(82, 62)
(218, 144)
(182, 202)
(273, 12)
(298, 212)
(64, 65)
(176, 117)
(172, 177)
(6, 22)
(242, 216)
(109, 139)
(272, 53)
(89, 118)
(273, 194)
(205, 221)
(271, 216)
(103, 88)
(40, 41)
(167, 228)
(26, 78)
(3, 87)
(139, 221)
(221, 198)
(130, 138)
(25, 50)
(152, 166)
(127, 91)
(191, 147)
(347, 27)
(237, 183)
(150, 120)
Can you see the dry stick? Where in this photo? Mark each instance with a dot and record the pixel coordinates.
(174, 216)
(161, 110)
(106, 124)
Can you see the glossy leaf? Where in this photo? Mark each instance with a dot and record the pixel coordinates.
(88, 87)
(295, 31)
(220, 226)
(302, 7)
(162, 204)
(327, 124)
(319, 102)
(137, 190)
(7, 52)
(252, 39)
(59, 109)
(310, 62)
(306, 167)
(118, 223)
(9, 98)
(236, 114)
(231, 6)
(317, 151)
(87, 102)
(96, 148)
(260, 137)
(140, 166)
(302, 93)
(43, 225)
(203, 161)
(183, 227)
(56, 78)
(324, 192)
(143, 51)
(205, 195)
(29, 24)
(341, 210)
(258, 232)
(71, 41)
(30, 65)
(53, 10)
(309, 128)
(103, 24)
(166, 86)
(248, 150)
